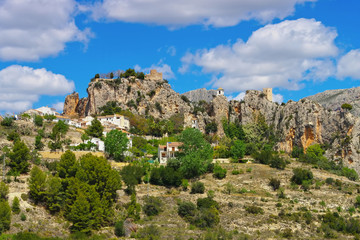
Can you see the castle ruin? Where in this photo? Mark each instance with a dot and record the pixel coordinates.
(268, 93)
(154, 75)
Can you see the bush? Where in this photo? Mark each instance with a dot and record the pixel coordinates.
(13, 136)
(277, 162)
(4, 191)
(207, 203)
(151, 232)
(329, 181)
(301, 175)
(153, 206)
(235, 172)
(38, 120)
(119, 229)
(185, 184)
(254, 209)
(187, 210)
(297, 152)
(15, 207)
(346, 106)
(7, 121)
(219, 172)
(23, 217)
(237, 150)
(5, 216)
(274, 183)
(197, 187)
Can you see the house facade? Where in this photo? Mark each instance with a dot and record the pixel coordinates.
(120, 121)
(165, 152)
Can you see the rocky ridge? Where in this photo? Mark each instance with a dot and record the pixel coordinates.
(201, 94)
(300, 123)
(333, 99)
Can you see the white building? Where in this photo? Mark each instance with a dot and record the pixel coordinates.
(120, 121)
(47, 110)
(165, 152)
(98, 142)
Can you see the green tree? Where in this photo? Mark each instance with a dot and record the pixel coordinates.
(133, 211)
(233, 129)
(38, 120)
(4, 191)
(95, 129)
(7, 121)
(37, 184)
(115, 144)
(5, 216)
(119, 229)
(110, 108)
(211, 127)
(196, 153)
(80, 215)
(58, 132)
(39, 145)
(67, 166)
(152, 206)
(132, 175)
(346, 106)
(237, 150)
(15, 207)
(54, 194)
(111, 75)
(301, 175)
(19, 157)
(13, 136)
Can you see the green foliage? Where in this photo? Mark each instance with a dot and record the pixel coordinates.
(187, 210)
(185, 98)
(13, 136)
(207, 202)
(119, 229)
(19, 157)
(58, 132)
(152, 206)
(39, 145)
(301, 175)
(211, 127)
(151, 232)
(111, 75)
(49, 117)
(297, 152)
(338, 223)
(196, 153)
(54, 194)
(274, 183)
(133, 210)
(95, 129)
(254, 209)
(15, 207)
(197, 187)
(165, 176)
(237, 150)
(97, 75)
(158, 107)
(346, 106)
(23, 217)
(184, 184)
(110, 108)
(129, 72)
(67, 165)
(38, 120)
(5, 216)
(131, 175)
(219, 172)
(80, 215)
(267, 157)
(233, 130)
(277, 162)
(4, 191)
(37, 184)
(7, 121)
(115, 144)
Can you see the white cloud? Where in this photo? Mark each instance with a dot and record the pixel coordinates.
(59, 106)
(21, 86)
(278, 98)
(32, 29)
(238, 97)
(277, 55)
(188, 12)
(171, 51)
(160, 67)
(348, 65)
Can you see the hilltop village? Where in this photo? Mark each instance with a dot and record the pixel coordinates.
(135, 159)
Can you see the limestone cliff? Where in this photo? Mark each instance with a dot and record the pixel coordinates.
(200, 95)
(71, 102)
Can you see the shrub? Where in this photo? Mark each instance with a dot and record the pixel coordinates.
(5, 216)
(151, 232)
(119, 229)
(237, 150)
(274, 183)
(153, 206)
(329, 181)
(207, 202)
(197, 187)
(4, 191)
(15, 207)
(235, 172)
(185, 184)
(187, 210)
(297, 152)
(158, 107)
(254, 209)
(7, 121)
(219, 172)
(23, 217)
(346, 106)
(13, 136)
(301, 175)
(277, 162)
(38, 120)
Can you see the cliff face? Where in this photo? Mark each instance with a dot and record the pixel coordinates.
(300, 123)
(333, 99)
(200, 95)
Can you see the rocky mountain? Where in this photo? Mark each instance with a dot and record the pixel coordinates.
(333, 99)
(201, 94)
(300, 123)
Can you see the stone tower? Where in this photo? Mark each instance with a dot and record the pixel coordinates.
(154, 75)
(268, 93)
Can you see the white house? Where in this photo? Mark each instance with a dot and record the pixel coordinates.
(65, 119)
(120, 121)
(165, 152)
(98, 142)
(47, 110)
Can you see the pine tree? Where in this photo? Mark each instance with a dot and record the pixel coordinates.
(15, 207)
(67, 165)
(80, 215)
(134, 208)
(37, 184)
(5, 216)
(54, 194)
(95, 129)
(4, 191)
(19, 157)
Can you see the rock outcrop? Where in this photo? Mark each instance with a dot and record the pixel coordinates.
(333, 99)
(300, 123)
(200, 95)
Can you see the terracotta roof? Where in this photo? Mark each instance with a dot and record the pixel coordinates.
(162, 146)
(174, 144)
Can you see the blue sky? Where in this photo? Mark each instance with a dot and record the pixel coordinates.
(49, 49)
